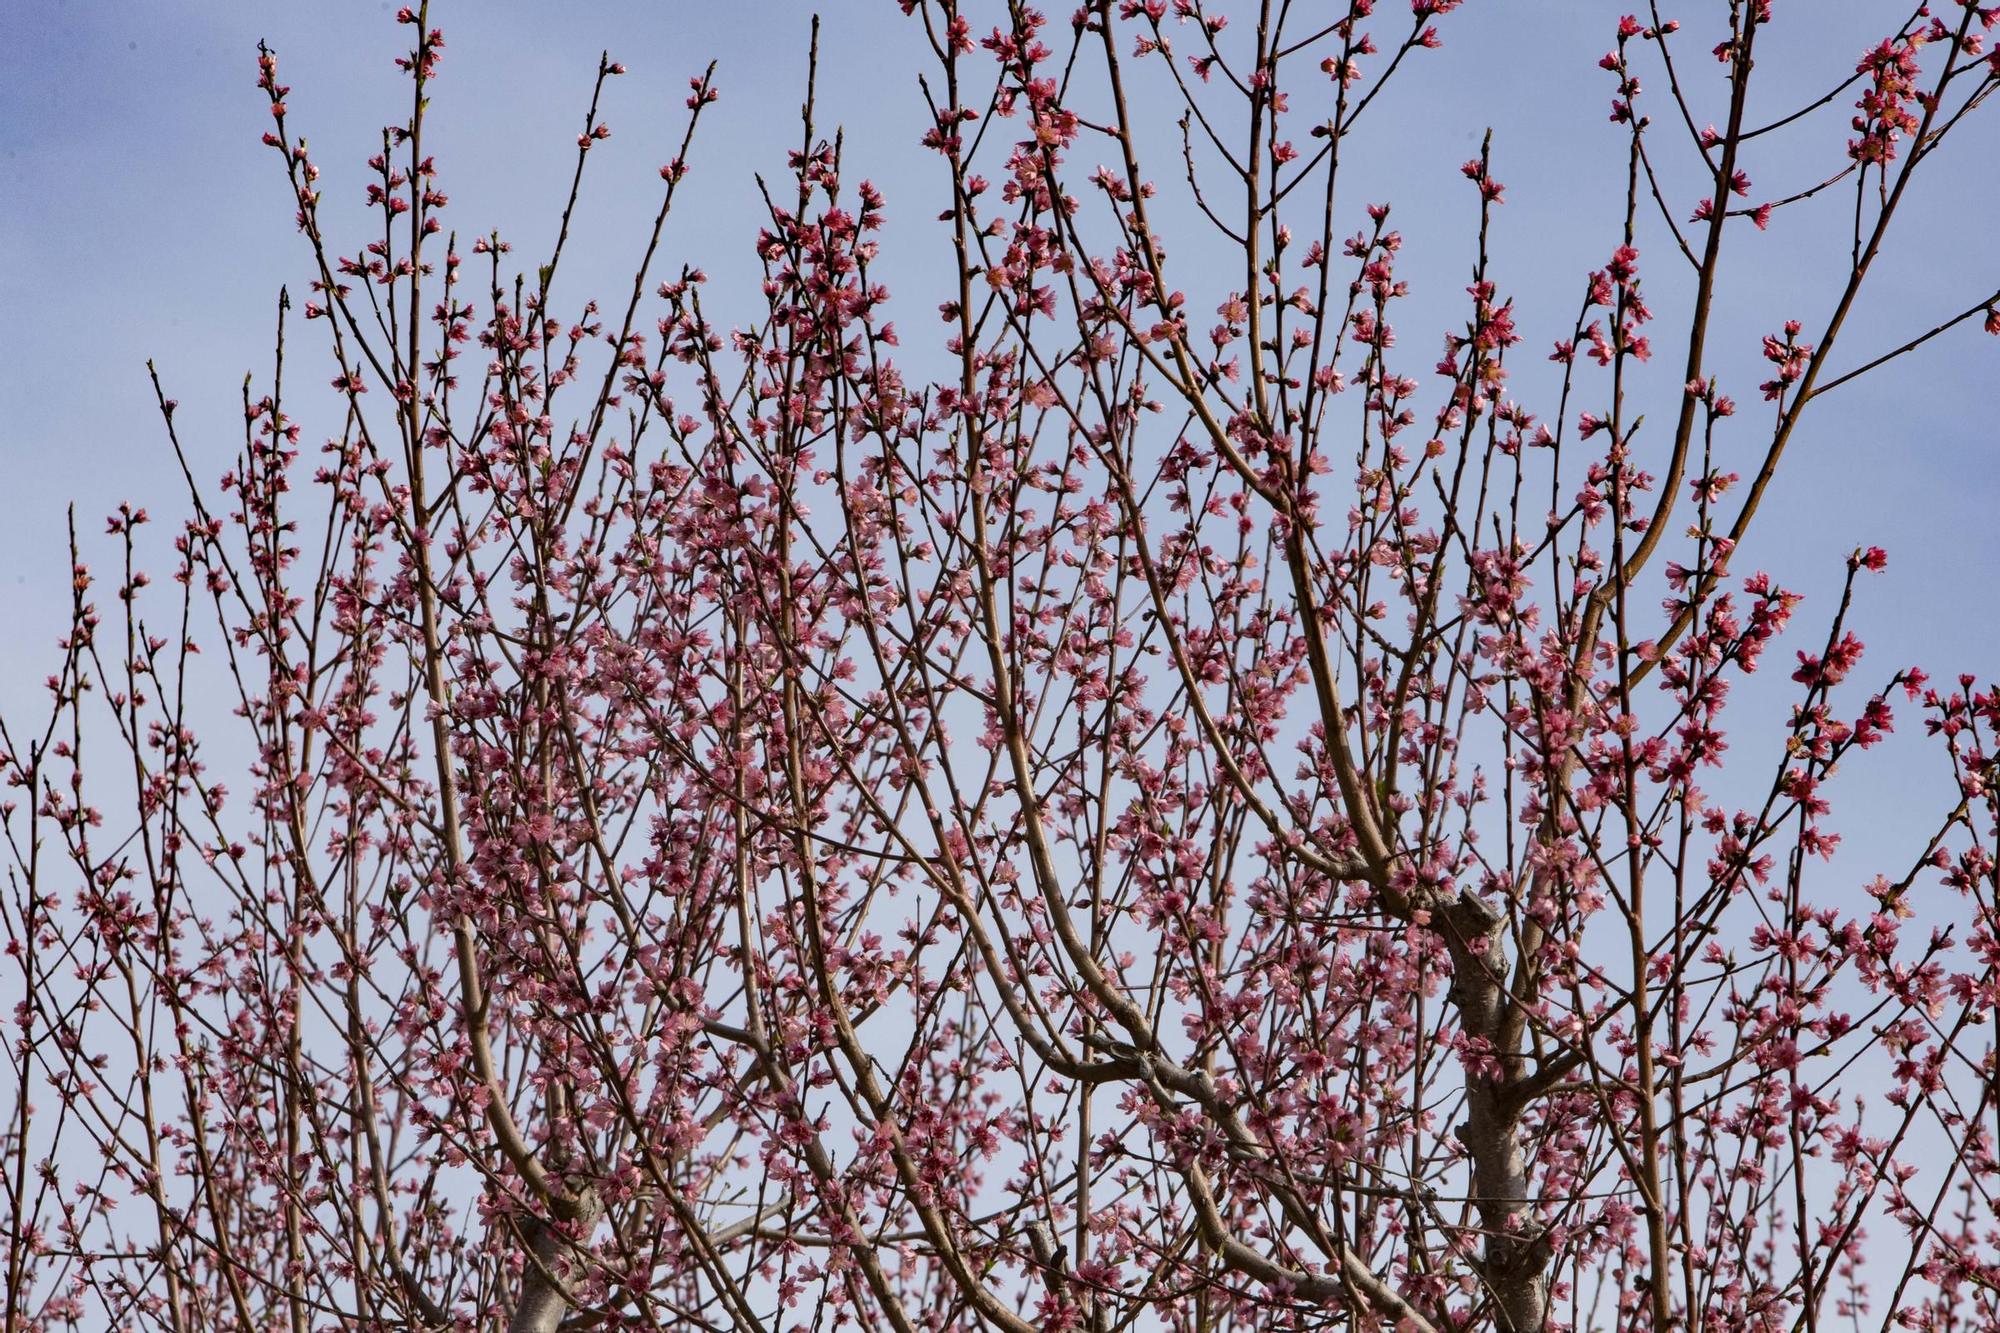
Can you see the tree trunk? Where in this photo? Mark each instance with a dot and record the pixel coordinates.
(1516, 1256)
(543, 1301)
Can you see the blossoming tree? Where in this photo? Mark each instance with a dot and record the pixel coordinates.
(1131, 818)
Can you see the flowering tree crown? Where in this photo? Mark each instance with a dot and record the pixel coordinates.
(1173, 816)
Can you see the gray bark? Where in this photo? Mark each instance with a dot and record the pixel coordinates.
(1514, 1266)
(543, 1301)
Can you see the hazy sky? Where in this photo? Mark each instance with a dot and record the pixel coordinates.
(140, 217)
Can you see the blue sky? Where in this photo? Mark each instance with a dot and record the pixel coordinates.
(140, 217)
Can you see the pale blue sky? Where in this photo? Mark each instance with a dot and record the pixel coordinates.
(139, 216)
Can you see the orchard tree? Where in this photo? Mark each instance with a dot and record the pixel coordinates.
(1159, 808)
